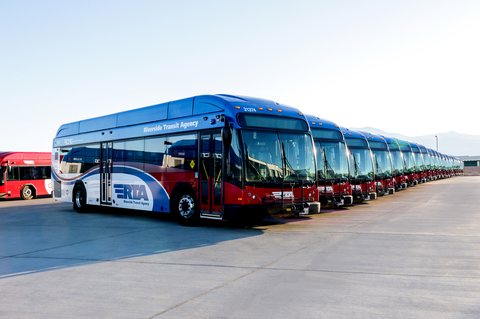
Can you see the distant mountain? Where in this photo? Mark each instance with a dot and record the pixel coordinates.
(448, 143)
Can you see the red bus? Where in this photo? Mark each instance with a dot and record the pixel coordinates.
(25, 175)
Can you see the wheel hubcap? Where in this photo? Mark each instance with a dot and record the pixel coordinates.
(78, 198)
(27, 192)
(186, 206)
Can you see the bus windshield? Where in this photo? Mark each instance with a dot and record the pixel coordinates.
(419, 161)
(332, 160)
(397, 160)
(409, 161)
(2, 180)
(383, 164)
(361, 163)
(428, 161)
(274, 157)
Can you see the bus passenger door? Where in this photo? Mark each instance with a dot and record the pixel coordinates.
(211, 175)
(106, 173)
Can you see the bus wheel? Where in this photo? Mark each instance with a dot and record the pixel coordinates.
(26, 192)
(185, 209)
(79, 199)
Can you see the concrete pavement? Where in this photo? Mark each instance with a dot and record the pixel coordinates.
(415, 254)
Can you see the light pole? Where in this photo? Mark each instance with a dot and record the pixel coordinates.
(437, 141)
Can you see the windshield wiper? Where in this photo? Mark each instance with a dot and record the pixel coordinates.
(357, 169)
(328, 167)
(290, 167)
(379, 169)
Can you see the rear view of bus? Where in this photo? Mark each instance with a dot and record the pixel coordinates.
(211, 156)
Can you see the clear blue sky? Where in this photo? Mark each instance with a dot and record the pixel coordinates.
(409, 67)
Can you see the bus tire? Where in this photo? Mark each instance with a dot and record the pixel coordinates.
(185, 208)
(79, 199)
(27, 192)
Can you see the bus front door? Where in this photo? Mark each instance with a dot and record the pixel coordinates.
(106, 173)
(211, 175)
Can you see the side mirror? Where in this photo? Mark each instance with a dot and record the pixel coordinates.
(227, 133)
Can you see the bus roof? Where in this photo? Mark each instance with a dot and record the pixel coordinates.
(318, 122)
(192, 106)
(405, 146)
(422, 148)
(8, 156)
(348, 133)
(372, 137)
(390, 139)
(355, 139)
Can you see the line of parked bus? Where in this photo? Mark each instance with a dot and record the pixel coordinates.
(355, 166)
(223, 157)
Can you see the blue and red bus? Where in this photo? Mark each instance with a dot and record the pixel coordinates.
(25, 175)
(332, 162)
(427, 161)
(382, 162)
(209, 156)
(436, 164)
(441, 169)
(411, 171)
(420, 163)
(399, 165)
(362, 173)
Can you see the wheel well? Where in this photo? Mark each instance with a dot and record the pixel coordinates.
(78, 184)
(180, 188)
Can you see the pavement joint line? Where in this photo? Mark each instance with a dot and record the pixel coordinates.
(79, 242)
(259, 268)
(375, 273)
(407, 234)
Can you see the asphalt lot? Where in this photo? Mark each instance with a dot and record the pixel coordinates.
(415, 254)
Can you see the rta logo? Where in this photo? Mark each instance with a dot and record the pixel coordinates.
(126, 191)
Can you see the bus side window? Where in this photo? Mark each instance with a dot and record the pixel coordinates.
(134, 152)
(37, 172)
(182, 152)
(72, 159)
(154, 151)
(46, 172)
(26, 173)
(119, 156)
(234, 162)
(13, 174)
(92, 156)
